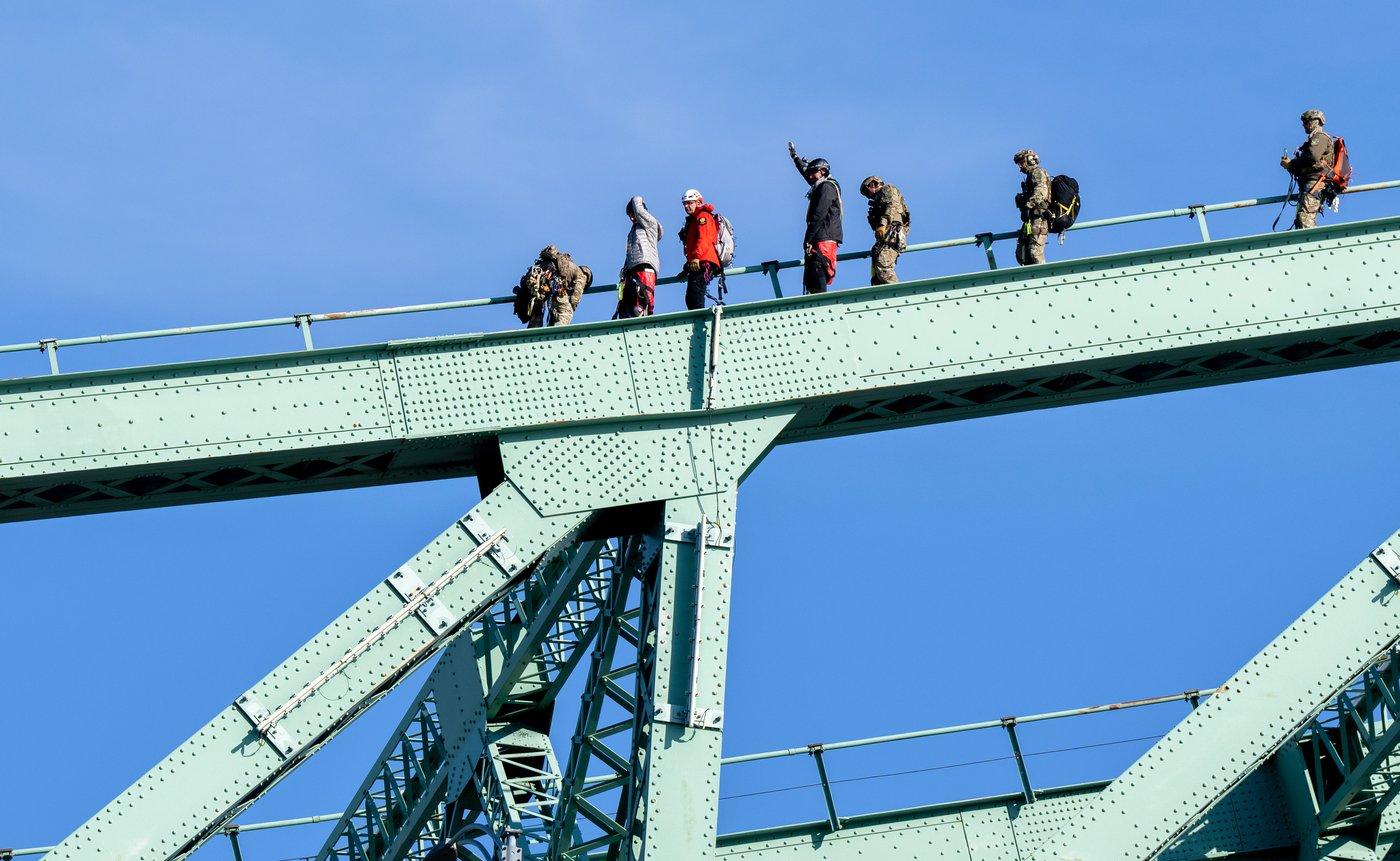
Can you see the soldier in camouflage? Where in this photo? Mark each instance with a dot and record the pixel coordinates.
(1309, 167)
(550, 292)
(1034, 205)
(889, 218)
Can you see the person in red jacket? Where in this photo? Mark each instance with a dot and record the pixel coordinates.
(698, 235)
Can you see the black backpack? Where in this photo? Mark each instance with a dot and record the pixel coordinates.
(1064, 203)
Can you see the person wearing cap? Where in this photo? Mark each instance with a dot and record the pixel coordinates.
(889, 218)
(824, 212)
(636, 282)
(1309, 166)
(550, 292)
(698, 237)
(1034, 205)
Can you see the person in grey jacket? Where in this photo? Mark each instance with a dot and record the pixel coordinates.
(636, 283)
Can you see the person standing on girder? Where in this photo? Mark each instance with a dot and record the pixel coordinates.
(637, 280)
(824, 213)
(1309, 167)
(889, 218)
(1034, 205)
(550, 292)
(698, 236)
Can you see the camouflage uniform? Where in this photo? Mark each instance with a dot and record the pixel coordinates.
(889, 218)
(1308, 165)
(1034, 203)
(558, 282)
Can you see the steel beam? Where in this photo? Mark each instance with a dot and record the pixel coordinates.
(444, 732)
(672, 797)
(1268, 703)
(852, 361)
(282, 720)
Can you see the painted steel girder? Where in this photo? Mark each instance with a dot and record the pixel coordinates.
(1350, 750)
(390, 810)
(1249, 822)
(852, 361)
(541, 509)
(238, 756)
(671, 807)
(1259, 710)
(443, 732)
(605, 689)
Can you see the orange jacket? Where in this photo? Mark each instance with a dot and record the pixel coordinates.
(699, 235)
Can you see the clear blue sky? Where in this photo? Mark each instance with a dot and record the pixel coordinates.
(167, 164)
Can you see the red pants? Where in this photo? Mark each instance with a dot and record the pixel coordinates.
(638, 294)
(819, 267)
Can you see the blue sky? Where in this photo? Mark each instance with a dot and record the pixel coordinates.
(168, 164)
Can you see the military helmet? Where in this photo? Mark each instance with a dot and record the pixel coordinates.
(819, 164)
(549, 252)
(865, 184)
(1314, 115)
(691, 194)
(1026, 155)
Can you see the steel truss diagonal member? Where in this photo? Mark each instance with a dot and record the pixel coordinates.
(532, 625)
(392, 812)
(1250, 718)
(603, 736)
(662, 667)
(282, 720)
(394, 804)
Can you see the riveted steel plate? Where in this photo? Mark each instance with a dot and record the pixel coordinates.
(572, 470)
(1249, 717)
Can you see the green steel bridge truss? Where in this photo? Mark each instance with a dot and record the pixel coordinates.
(603, 544)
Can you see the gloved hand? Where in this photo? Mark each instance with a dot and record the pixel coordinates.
(692, 266)
(880, 233)
(792, 151)
(1283, 162)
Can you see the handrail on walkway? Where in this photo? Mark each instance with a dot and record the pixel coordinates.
(771, 268)
(816, 750)
(232, 830)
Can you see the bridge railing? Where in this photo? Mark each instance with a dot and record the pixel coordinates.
(771, 268)
(816, 751)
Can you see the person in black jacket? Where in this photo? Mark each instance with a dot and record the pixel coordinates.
(823, 235)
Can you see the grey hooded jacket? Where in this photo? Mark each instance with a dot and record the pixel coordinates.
(644, 237)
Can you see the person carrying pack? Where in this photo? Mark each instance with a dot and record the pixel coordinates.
(700, 237)
(1034, 204)
(1320, 167)
(889, 218)
(1064, 204)
(549, 293)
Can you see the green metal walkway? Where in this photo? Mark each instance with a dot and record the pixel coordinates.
(662, 418)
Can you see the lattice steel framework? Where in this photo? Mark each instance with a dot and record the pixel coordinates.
(645, 433)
